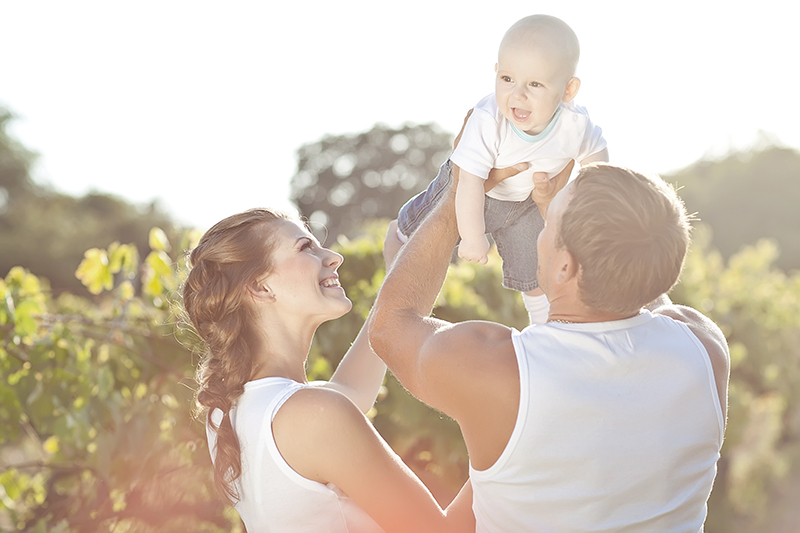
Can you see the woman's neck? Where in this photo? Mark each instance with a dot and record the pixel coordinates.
(282, 352)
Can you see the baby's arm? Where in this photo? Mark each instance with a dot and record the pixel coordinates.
(474, 245)
(602, 155)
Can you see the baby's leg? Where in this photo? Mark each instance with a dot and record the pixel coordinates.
(515, 227)
(417, 208)
(537, 305)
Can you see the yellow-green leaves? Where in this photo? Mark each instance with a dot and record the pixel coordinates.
(158, 240)
(22, 301)
(94, 272)
(98, 267)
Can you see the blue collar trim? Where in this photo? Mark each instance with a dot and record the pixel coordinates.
(539, 136)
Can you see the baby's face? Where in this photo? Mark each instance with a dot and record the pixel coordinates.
(529, 86)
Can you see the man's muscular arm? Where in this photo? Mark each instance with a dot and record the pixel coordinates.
(466, 370)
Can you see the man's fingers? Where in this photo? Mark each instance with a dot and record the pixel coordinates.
(496, 175)
(458, 137)
(540, 177)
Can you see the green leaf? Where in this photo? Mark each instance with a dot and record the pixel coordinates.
(159, 275)
(123, 258)
(159, 241)
(94, 271)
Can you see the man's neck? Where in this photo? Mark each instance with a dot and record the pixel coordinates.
(579, 313)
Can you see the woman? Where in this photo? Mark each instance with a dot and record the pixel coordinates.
(292, 456)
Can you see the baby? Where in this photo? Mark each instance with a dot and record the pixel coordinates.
(531, 117)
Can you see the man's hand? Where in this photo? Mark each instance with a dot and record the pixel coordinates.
(546, 189)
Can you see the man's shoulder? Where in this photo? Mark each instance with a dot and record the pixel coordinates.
(474, 336)
(706, 330)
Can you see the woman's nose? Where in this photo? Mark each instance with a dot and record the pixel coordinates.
(333, 259)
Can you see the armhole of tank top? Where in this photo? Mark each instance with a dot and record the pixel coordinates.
(712, 381)
(522, 410)
(268, 438)
(211, 435)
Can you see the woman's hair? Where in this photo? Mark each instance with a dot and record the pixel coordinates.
(226, 263)
(629, 232)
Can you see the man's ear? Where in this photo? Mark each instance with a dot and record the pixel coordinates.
(572, 89)
(568, 266)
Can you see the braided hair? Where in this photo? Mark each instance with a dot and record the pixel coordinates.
(229, 259)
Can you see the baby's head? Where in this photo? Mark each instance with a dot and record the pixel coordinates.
(535, 68)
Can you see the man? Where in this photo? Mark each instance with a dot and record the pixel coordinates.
(610, 417)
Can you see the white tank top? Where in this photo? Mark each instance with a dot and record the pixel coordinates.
(619, 429)
(275, 498)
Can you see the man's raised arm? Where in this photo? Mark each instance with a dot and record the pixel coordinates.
(436, 361)
(401, 324)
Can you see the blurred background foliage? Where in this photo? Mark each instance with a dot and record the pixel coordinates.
(96, 369)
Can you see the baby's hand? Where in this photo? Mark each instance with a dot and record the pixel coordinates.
(474, 249)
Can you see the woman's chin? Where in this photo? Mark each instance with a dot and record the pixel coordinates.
(342, 308)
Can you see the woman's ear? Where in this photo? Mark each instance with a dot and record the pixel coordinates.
(261, 291)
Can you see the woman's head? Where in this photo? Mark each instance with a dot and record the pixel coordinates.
(225, 266)
(256, 264)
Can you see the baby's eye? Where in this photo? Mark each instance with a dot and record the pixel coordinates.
(535, 84)
(506, 79)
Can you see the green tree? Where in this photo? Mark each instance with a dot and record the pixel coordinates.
(344, 180)
(47, 231)
(96, 396)
(96, 393)
(757, 306)
(747, 196)
(15, 163)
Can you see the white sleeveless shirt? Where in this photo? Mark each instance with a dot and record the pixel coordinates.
(275, 498)
(619, 429)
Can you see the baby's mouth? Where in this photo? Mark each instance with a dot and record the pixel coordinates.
(520, 114)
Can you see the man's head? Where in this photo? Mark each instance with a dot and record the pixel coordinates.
(536, 71)
(628, 234)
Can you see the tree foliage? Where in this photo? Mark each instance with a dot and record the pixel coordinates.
(96, 393)
(48, 231)
(344, 180)
(757, 306)
(96, 384)
(96, 397)
(745, 197)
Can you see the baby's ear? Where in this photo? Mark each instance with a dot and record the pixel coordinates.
(572, 89)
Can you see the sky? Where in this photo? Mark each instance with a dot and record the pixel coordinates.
(202, 105)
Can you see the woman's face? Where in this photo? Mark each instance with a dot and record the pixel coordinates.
(303, 279)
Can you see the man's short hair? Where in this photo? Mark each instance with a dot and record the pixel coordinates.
(629, 232)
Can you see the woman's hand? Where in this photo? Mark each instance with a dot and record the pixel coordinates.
(391, 244)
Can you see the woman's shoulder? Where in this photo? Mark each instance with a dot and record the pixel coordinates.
(320, 407)
(312, 428)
